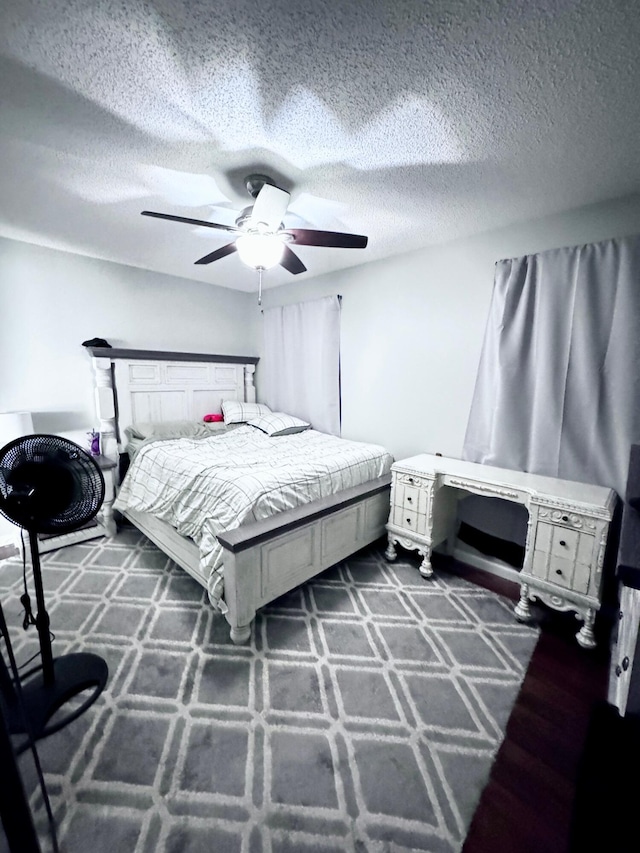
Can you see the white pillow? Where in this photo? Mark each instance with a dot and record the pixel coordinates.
(237, 412)
(277, 423)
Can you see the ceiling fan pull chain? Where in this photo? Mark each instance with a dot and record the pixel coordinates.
(259, 285)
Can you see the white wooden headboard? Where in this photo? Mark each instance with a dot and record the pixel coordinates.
(135, 386)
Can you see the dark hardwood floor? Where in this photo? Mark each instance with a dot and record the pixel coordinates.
(553, 786)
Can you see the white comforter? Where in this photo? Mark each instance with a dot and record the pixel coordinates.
(207, 485)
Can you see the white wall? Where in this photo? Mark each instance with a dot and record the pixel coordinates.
(412, 326)
(51, 301)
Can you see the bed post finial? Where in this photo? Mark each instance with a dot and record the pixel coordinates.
(249, 387)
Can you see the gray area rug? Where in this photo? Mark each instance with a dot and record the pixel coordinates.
(364, 715)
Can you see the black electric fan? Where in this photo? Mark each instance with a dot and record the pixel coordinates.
(50, 485)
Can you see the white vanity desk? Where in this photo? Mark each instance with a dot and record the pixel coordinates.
(566, 535)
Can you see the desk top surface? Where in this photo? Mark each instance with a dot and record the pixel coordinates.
(533, 484)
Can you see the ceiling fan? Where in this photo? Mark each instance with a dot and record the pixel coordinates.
(262, 240)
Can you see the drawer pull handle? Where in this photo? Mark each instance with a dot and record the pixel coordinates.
(618, 671)
(411, 479)
(625, 663)
(563, 543)
(408, 521)
(558, 571)
(620, 614)
(409, 500)
(565, 518)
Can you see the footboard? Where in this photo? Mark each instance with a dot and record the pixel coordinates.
(268, 558)
(265, 559)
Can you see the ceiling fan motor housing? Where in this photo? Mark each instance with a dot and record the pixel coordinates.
(255, 182)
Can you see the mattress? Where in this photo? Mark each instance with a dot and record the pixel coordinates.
(204, 486)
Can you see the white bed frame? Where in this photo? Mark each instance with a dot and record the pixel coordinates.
(262, 560)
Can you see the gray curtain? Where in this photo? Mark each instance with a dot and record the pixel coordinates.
(558, 386)
(300, 367)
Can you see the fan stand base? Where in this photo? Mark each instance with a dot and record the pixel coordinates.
(73, 674)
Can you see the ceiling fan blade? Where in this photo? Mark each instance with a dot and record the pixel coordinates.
(291, 262)
(334, 239)
(269, 207)
(189, 221)
(219, 253)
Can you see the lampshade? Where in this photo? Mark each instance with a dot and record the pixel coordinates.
(260, 251)
(14, 425)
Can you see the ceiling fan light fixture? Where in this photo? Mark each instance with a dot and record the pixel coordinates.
(261, 238)
(260, 251)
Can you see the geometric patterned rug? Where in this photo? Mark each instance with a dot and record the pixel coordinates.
(363, 715)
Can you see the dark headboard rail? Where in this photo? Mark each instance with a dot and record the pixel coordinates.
(161, 355)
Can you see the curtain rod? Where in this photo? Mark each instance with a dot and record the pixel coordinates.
(339, 295)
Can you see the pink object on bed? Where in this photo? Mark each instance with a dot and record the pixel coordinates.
(212, 418)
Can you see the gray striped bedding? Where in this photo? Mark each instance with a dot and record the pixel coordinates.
(204, 486)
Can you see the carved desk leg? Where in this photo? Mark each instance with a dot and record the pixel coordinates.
(426, 569)
(585, 635)
(391, 552)
(522, 609)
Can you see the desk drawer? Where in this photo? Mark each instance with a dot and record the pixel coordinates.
(563, 556)
(569, 575)
(410, 497)
(414, 522)
(565, 544)
(412, 479)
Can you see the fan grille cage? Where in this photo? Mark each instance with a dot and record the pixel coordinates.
(49, 484)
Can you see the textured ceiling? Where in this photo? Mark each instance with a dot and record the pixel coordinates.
(412, 122)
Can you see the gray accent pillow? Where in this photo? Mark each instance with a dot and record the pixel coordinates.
(173, 429)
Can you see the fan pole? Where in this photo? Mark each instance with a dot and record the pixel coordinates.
(16, 815)
(42, 617)
(14, 806)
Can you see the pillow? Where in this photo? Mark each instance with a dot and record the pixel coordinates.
(236, 412)
(171, 429)
(277, 423)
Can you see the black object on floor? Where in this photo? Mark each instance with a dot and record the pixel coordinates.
(605, 814)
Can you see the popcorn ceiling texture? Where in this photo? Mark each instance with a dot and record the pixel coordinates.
(412, 122)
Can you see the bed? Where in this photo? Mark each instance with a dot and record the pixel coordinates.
(270, 545)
